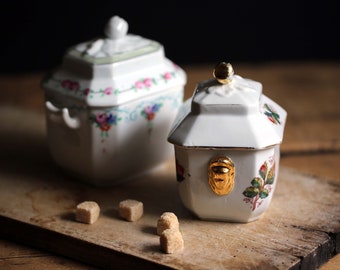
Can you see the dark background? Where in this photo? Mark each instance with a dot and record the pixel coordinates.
(35, 34)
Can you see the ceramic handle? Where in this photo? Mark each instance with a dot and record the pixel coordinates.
(71, 122)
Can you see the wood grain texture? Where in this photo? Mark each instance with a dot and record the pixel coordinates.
(333, 264)
(14, 256)
(298, 231)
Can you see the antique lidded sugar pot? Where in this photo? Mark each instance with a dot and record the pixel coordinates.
(110, 106)
(227, 145)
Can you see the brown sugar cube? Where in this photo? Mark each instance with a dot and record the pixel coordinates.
(171, 240)
(167, 220)
(87, 212)
(130, 210)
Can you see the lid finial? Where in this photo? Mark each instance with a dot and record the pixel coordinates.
(223, 72)
(116, 28)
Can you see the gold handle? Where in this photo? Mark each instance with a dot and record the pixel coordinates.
(221, 174)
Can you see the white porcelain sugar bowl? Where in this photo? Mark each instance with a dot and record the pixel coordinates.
(110, 106)
(227, 146)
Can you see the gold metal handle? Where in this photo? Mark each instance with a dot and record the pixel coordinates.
(221, 174)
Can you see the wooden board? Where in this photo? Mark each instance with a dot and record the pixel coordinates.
(300, 230)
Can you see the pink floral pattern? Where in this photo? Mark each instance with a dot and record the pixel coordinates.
(142, 84)
(108, 91)
(167, 76)
(145, 83)
(70, 85)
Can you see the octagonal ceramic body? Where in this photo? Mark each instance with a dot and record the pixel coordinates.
(197, 196)
(227, 147)
(110, 106)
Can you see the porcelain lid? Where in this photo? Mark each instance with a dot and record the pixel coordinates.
(117, 45)
(229, 112)
(113, 70)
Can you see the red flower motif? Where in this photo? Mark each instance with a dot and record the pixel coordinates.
(105, 126)
(179, 168)
(86, 91)
(150, 116)
(179, 172)
(263, 168)
(66, 83)
(74, 86)
(271, 119)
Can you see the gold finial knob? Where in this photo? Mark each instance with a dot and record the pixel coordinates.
(223, 72)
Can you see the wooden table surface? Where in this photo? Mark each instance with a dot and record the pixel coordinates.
(310, 92)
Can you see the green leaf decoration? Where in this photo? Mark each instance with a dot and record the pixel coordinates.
(264, 193)
(260, 185)
(272, 115)
(256, 182)
(270, 180)
(251, 192)
(263, 170)
(92, 117)
(271, 176)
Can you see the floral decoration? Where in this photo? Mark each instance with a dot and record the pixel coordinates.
(271, 113)
(86, 91)
(70, 85)
(179, 172)
(167, 76)
(104, 121)
(145, 83)
(261, 185)
(149, 113)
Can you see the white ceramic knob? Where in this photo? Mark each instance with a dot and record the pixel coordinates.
(116, 28)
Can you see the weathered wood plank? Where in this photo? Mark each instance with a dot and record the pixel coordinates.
(324, 165)
(333, 264)
(17, 257)
(286, 237)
